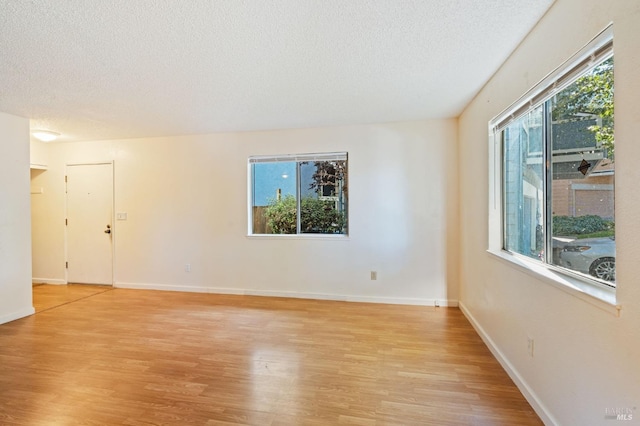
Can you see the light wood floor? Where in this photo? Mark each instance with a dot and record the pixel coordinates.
(137, 357)
(51, 296)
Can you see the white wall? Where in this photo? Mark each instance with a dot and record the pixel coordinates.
(186, 201)
(39, 154)
(15, 226)
(585, 358)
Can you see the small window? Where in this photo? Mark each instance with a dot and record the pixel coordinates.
(299, 194)
(557, 169)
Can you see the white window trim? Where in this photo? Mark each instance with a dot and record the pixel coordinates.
(588, 290)
(324, 156)
(592, 53)
(306, 236)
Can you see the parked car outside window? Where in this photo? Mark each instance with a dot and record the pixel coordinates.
(593, 256)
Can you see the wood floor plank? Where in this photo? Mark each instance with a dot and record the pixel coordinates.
(133, 357)
(46, 296)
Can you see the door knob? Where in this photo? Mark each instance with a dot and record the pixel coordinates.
(108, 230)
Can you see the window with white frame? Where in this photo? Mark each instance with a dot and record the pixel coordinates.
(299, 194)
(554, 169)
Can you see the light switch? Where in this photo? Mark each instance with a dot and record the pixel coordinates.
(121, 216)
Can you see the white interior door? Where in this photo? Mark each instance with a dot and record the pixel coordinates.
(89, 223)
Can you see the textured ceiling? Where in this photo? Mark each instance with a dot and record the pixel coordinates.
(103, 69)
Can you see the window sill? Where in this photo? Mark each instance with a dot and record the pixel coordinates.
(600, 296)
(334, 237)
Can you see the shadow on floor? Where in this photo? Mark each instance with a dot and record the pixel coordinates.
(48, 296)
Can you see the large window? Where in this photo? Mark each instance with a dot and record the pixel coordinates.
(299, 194)
(556, 148)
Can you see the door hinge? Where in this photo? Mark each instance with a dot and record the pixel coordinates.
(66, 222)
(65, 179)
(66, 265)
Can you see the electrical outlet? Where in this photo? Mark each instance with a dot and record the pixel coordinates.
(374, 275)
(187, 267)
(530, 346)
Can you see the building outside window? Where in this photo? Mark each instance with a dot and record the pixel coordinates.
(557, 170)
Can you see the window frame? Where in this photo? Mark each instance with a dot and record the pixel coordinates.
(294, 158)
(596, 51)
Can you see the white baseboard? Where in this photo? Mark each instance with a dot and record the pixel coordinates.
(48, 281)
(526, 390)
(292, 294)
(352, 298)
(185, 288)
(17, 315)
